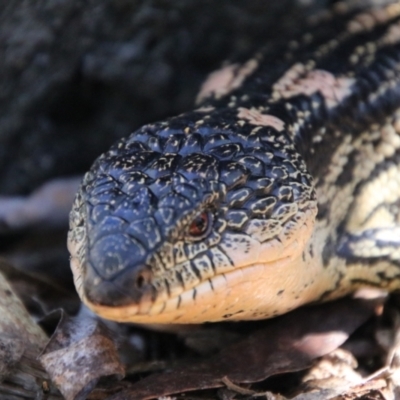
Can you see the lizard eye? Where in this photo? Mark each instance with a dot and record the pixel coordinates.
(199, 226)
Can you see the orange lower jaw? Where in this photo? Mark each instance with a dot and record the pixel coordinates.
(254, 292)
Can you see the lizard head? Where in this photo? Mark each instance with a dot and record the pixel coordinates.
(183, 224)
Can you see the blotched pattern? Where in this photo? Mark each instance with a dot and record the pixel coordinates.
(312, 124)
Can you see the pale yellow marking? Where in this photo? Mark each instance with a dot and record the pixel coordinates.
(367, 158)
(366, 21)
(368, 208)
(392, 36)
(295, 82)
(75, 248)
(263, 229)
(386, 186)
(205, 109)
(383, 189)
(225, 80)
(255, 117)
(287, 79)
(217, 82)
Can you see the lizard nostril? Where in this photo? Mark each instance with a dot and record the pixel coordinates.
(142, 279)
(127, 288)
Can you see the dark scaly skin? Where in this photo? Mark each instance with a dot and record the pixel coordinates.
(254, 161)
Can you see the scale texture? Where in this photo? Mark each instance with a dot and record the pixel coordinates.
(281, 188)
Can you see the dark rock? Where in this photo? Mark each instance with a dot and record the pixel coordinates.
(77, 75)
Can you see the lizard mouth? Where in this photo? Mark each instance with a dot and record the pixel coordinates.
(245, 293)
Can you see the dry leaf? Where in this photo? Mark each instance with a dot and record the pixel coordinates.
(288, 343)
(21, 341)
(79, 353)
